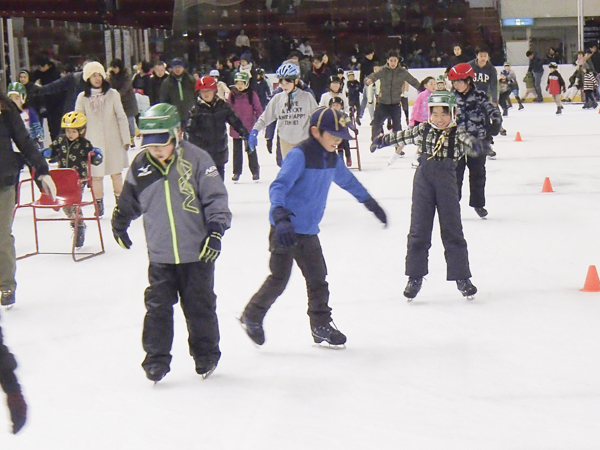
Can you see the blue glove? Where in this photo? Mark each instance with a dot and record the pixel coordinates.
(96, 156)
(284, 230)
(253, 140)
(47, 152)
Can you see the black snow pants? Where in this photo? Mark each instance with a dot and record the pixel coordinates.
(193, 284)
(476, 167)
(308, 255)
(434, 187)
(238, 158)
(383, 112)
(8, 364)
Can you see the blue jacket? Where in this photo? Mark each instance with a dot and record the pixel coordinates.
(302, 184)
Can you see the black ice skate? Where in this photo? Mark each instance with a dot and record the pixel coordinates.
(332, 336)
(255, 177)
(235, 178)
(156, 372)
(7, 298)
(100, 207)
(254, 330)
(481, 212)
(412, 288)
(206, 369)
(466, 288)
(492, 154)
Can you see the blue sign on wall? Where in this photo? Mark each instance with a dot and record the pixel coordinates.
(517, 22)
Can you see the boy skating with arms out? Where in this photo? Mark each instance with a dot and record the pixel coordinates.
(298, 198)
(440, 145)
(177, 188)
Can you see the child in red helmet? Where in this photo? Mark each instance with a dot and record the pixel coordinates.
(207, 124)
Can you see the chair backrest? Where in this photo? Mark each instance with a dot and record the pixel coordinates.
(68, 187)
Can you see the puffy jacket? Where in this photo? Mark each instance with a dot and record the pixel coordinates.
(180, 92)
(180, 203)
(476, 114)
(72, 154)
(248, 111)
(392, 81)
(122, 83)
(13, 128)
(207, 128)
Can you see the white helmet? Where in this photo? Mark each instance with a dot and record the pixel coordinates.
(214, 73)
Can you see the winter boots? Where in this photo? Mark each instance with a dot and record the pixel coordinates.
(254, 330)
(329, 334)
(7, 297)
(466, 288)
(412, 288)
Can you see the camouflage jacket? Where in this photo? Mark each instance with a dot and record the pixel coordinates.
(476, 114)
(72, 155)
(452, 142)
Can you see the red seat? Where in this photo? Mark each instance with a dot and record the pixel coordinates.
(68, 193)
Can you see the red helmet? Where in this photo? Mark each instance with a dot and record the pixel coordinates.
(461, 71)
(206, 83)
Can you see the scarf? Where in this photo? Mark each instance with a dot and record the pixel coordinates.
(97, 99)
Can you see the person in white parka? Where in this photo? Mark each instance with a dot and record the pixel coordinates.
(107, 129)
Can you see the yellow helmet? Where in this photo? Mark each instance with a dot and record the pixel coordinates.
(74, 120)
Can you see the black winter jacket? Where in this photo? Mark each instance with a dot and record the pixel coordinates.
(72, 84)
(207, 128)
(13, 128)
(122, 83)
(184, 100)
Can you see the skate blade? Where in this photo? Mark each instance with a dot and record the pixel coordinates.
(329, 346)
(209, 373)
(409, 300)
(8, 307)
(470, 298)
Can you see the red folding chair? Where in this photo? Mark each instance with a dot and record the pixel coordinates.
(69, 192)
(355, 141)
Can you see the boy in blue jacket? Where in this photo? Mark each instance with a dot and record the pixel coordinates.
(298, 198)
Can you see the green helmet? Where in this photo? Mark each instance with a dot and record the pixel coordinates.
(243, 77)
(159, 124)
(443, 98)
(440, 79)
(17, 88)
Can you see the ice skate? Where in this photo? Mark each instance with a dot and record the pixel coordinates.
(100, 207)
(481, 212)
(412, 288)
(466, 288)
(206, 370)
(7, 297)
(156, 372)
(492, 154)
(254, 330)
(80, 236)
(255, 177)
(235, 178)
(559, 110)
(328, 334)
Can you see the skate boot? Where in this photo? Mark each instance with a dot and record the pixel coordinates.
(348, 161)
(503, 131)
(235, 178)
(558, 110)
(492, 154)
(254, 330)
(7, 297)
(466, 288)
(413, 287)
(520, 103)
(399, 150)
(329, 334)
(156, 372)
(505, 113)
(206, 369)
(255, 177)
(358, 121)
(100, 207)
(80, 237)
(481, 212)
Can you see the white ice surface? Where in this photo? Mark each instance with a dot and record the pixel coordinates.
(518, 368)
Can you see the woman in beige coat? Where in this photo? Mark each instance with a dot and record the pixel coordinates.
(107, 129)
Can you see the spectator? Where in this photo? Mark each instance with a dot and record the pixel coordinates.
(242, 42)
(305, 47)
(318, 78)
(595, 57)
(156, 79)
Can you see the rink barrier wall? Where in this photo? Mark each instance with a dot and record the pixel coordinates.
(566, 70)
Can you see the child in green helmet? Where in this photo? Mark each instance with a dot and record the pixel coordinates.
(18, 94)
(441, 144)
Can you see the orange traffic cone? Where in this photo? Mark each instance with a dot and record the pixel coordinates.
(547, 186)
(592, 282)
(518, 137)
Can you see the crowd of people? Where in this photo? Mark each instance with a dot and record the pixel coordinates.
(185, 119)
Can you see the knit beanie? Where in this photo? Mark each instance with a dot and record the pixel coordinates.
(91, 68)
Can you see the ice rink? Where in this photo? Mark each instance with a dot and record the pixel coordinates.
(517, 368)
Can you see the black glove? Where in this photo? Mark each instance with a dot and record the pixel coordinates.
(495, 127)
(18, 410)
(119, 228)
(211, 247)
(122, 238)
(269, 145)
(284, 230)
(379, 142)
(374, 207)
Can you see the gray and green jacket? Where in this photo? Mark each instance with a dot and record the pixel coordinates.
(181, 202)
(392, 81)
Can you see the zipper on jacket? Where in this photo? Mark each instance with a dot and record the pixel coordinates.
(165, 173)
